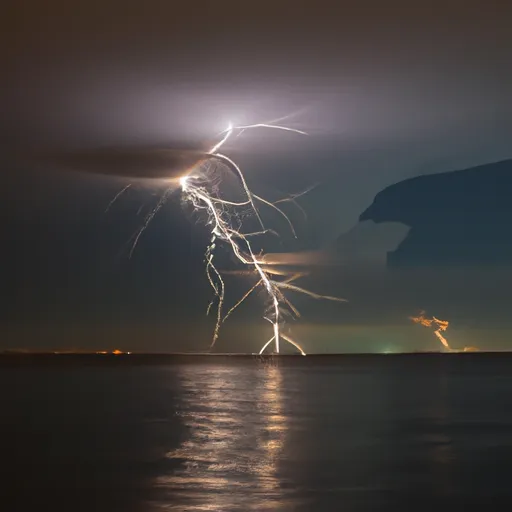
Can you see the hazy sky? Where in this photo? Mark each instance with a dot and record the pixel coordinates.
(387, 90)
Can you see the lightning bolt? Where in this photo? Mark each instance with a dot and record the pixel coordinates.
(198, 191)
(201, 188)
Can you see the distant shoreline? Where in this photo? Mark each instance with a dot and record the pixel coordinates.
(31, 359)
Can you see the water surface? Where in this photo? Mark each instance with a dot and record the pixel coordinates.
(227, 434)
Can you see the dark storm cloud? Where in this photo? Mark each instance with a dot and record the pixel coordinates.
(125, 162)
(387, 90)
(456, 218)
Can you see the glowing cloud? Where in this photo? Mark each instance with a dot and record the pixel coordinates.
(436, 324)
(439, 327)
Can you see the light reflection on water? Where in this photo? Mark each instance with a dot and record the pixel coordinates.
(236, 433)
(227, 434)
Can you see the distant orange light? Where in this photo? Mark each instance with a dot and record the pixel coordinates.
(439, 325)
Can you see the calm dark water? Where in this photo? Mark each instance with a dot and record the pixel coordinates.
(233, 434)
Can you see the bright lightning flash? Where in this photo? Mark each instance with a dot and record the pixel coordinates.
(200, 189)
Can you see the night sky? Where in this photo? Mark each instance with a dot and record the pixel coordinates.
(386, 91)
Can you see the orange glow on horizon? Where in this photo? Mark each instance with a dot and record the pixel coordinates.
(439, 325)
(115, 352)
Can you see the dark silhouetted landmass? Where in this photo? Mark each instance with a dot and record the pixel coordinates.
(456, 218)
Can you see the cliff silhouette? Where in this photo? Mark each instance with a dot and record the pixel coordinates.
(461, 217)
